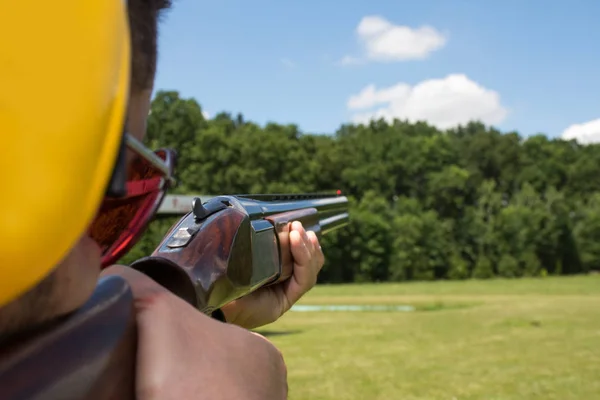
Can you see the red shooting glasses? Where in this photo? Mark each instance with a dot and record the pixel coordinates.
(120, 222)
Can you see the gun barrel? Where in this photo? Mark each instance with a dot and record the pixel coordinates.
(262, 206)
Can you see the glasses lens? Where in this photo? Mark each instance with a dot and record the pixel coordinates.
(121, 221)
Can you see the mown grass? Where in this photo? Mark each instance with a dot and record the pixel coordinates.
(500, 339)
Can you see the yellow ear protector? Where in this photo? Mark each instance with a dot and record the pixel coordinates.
(64, 79)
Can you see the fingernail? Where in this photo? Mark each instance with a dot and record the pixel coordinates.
(305, 236)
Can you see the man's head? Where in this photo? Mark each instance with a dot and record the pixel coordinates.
(74, 278)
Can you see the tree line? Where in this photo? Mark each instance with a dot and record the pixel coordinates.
(469, 202)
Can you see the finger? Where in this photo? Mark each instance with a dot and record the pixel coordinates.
(297, 226)
(304, 276)
(314, 239)
(300, 252)
(318, 252)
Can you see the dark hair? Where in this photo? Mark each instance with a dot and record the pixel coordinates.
(143, 22)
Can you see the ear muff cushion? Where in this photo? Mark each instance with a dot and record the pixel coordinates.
(64, 74)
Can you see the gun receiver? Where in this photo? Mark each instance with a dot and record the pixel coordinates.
(230, 246)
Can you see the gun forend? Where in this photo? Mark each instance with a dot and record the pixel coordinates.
(230, 246)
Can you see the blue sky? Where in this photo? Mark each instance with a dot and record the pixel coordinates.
(280, 61)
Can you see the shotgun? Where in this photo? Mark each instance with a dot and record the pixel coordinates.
(222, 250)
(230, 246)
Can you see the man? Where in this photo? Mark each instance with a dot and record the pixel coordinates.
(62, 103)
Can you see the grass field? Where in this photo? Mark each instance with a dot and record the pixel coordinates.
(492, 340)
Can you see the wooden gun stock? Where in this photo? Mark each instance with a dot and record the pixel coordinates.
(232, 245)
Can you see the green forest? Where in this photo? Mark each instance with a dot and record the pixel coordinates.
(425, 204)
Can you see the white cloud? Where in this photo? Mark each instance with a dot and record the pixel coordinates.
(383, 41)
(585, 133)
(349, 60)
(444, 103)
(205, 114)
(288, 63)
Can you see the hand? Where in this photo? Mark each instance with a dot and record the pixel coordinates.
(184, 354)
(267, 304)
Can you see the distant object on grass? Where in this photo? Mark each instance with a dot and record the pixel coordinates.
(177, 204)
(313, 308)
